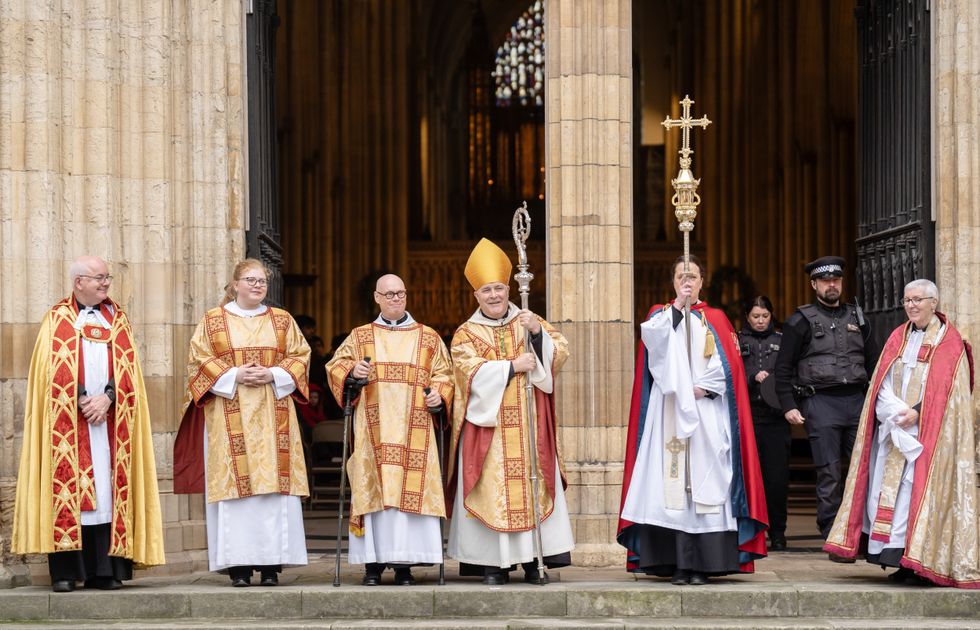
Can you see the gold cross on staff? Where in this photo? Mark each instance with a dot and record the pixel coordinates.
(675, 446)
(686, 123)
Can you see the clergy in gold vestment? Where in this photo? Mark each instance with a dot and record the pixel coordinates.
(87, 487)
(394, 469)
(239, 431)
(492, 515)
(911, 499)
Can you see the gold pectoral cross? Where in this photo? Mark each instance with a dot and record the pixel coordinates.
(675, 447)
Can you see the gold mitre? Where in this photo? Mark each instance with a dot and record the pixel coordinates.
(487, 263)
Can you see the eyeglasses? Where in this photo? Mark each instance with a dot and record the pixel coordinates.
(98, 279)
(255, 282)
(391, 295)
(915, 301)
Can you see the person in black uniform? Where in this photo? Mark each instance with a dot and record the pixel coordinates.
(825, 360)
(759, 341)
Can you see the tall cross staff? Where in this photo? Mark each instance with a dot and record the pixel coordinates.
(521, 229)
(685, 202)
(686, 198)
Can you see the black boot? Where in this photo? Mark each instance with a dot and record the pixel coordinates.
(681, 577)
(404, 577)
(494, 577)
(372, 573)
(240, 576)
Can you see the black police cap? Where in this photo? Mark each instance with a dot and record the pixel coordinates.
(826, 267)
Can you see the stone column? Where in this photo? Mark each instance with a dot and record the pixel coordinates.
(121, 135)
(956, 159)
(588, 116)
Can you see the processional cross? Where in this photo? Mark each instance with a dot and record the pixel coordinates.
(685, 202)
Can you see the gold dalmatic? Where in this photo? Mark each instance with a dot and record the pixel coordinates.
(394, 462)
(245, 457)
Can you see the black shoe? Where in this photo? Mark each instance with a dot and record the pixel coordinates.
(777, 544)
(241, 581)
(681, 577)
(404, 577)
(269, 579)
(840, 559)
(698, 579)
(532, 576)
(495, 578)
(103, 583)
(371, 579)
(63, 586)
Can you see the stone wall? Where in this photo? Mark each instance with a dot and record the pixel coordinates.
(956, 158)
(588, 162)
(121, 135)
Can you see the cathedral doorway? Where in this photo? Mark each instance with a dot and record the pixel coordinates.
(399, 133)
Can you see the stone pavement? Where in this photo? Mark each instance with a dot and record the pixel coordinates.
(789, 590)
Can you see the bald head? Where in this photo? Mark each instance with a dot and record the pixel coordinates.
(89, 280)
(387, 281)
(392, 308)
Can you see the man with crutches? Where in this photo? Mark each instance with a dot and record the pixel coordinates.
(506, 479)
(395, 475)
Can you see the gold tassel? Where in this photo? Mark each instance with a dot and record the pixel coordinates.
(709, 344)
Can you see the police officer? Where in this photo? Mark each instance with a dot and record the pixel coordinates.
(759, 342)
(826, 358)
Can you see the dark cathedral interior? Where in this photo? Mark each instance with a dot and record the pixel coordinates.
(405, 131)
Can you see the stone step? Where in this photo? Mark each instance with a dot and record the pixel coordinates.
(307, 604)
(529, 623)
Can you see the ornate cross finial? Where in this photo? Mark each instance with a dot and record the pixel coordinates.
(686, 198)
(685, 122)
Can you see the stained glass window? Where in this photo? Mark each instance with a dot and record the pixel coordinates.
(519, 66)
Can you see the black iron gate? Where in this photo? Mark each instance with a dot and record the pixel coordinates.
(896, 234)
(262, 238)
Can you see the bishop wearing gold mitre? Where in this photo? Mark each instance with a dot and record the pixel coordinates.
(492, 515)
(87, 485)
(395, 474)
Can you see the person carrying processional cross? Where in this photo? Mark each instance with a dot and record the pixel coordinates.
(693, 504)
(693, 501)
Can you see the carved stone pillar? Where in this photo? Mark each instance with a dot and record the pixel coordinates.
(956, 127)
(588, 115)
(122, 136)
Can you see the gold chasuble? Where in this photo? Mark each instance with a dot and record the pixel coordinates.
(395, 461)
(254, 444)
(54, 482)
(496, 479)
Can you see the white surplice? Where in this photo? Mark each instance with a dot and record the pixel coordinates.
(393, 536)
(704, 423)
(469, 540)
(260, 530)
(95, 358)
(890, 436)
